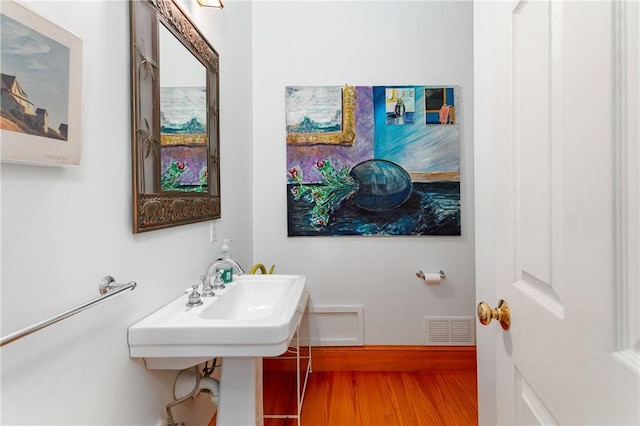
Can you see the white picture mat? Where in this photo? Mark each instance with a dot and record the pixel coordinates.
(31, 149)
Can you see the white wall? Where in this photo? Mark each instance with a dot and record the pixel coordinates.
(363, 43)
(65, 229)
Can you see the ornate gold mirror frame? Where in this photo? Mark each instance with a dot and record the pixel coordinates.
(175, 167)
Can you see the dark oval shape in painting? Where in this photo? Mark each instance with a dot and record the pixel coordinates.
(383, 185)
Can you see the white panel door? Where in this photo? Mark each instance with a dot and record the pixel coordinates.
(557, 189)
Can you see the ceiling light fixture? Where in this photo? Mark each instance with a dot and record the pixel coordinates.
(211, 3)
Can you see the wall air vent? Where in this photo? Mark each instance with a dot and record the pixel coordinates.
(448, 331)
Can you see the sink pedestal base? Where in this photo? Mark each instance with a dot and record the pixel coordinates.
(240, 401)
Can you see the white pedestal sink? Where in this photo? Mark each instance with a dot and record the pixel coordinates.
(238, 406)
(254, 317)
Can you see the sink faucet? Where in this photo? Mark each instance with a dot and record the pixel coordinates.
(237, 269)
(218, 282)
(207, 288)
(194, 297)
(212, 270)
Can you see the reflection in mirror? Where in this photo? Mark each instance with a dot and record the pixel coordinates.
(175, 127)
(183, 118)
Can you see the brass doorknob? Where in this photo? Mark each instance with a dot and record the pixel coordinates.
(501, 313)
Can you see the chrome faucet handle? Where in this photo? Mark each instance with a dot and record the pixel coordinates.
(207, 288)
(194, 297)
(218, 282)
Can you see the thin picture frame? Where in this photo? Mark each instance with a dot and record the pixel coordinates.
(346, 135)
(42, 85)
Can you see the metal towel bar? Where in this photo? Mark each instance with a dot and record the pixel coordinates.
(107, 289)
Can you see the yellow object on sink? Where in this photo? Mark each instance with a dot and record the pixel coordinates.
(262, 268)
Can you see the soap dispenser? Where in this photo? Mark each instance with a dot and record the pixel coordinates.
(225, 248)
(223, 264)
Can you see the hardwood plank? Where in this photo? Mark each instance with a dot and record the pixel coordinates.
(279, 390)
(342, 406)
(372, 398)
(449, 401)
(417, 397)
(385, 400)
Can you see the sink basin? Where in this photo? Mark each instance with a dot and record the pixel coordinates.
(250, 299)
(255, 316)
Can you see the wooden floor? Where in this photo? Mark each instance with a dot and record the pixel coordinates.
(369, 398)
(429, 386)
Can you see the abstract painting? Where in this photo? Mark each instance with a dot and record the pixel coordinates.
(399, 176)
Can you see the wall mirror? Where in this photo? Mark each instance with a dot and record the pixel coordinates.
(175, 127)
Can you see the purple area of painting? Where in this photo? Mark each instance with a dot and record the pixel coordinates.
(306, 156)
(194, 156)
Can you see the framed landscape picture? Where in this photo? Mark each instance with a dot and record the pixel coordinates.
(41, 75)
